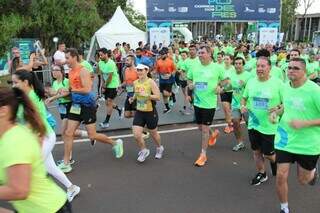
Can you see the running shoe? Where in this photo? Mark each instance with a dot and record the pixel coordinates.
(93, 142)
(315, 178)
(65, 168)
(145, 135)
(259, 178)
(104, 125)
(62, 161)
(213, 138)
(228, 129)
(118, 148)
(166, 111)
(142, 155)
(201, 161)
(238, 147)
(185, 112)
(72, 192)
(159, 152)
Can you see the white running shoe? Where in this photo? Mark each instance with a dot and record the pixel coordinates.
(72, 192)
(143, 154)
(159, 152)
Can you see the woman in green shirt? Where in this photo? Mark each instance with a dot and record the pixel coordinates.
(23, 178)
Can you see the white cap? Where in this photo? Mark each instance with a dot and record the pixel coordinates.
(142, 66)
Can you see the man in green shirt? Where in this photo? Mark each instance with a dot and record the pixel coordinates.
(239, 79)
(111, 82)
(203, 79)
(261, 94)
(297, 137)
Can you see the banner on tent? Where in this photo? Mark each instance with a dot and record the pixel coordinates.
(160, 35)
(234, 10)
(268, 36)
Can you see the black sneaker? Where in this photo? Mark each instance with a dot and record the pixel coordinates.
(93, 142)
(259, 178)
(315, 178)
(273, 168)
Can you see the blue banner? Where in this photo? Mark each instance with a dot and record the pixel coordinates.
(213, 10)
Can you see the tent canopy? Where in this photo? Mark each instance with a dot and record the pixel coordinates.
(118, 29)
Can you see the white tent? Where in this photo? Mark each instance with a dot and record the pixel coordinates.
(118, 29)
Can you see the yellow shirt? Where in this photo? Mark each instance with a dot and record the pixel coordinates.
(142, 92)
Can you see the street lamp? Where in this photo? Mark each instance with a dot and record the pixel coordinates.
(55, 40)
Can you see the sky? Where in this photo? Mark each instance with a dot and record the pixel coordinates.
(140, 5)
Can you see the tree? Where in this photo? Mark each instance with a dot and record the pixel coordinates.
(106, 8)
(135, 17)
(288, 15)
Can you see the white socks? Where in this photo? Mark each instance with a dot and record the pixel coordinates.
(284, 207)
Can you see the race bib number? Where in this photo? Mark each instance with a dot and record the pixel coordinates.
(129, 88)
(260, 103)
(62, 109)
(165, 76)
(201, 86)
(142, 105)
(75, 109)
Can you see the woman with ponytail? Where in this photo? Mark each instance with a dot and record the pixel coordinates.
(29, 84)
(23, 178)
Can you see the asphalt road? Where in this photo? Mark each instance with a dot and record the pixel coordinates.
(173, 184)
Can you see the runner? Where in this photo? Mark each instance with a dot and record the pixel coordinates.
(146, 93)
(83, 109)
(239, 80)
(110, 84)
(28, 82)
(203, 79)
(226, 93)
(297, 138)
(24, 181)
(261, 94)
(166, 69)
(183, 80)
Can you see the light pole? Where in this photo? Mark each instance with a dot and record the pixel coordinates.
(55, 40)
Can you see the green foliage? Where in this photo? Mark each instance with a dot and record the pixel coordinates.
(73, 21)
(288, 14)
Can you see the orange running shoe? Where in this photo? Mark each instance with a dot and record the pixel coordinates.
(228, 129)
(213, 138)
(201, 161)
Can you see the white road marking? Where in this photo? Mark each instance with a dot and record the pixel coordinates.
(160, 132)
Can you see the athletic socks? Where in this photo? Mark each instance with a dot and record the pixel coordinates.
(284, 207)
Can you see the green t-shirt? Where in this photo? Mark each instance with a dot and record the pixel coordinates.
(301, 103)
(274, 59)
(41, 109)
(110, 68)
(238, 82)
(189, 63)
(251, 65)
(205, 80)
(277, 73)
(87, 66)
(20, 146)
(261, 96)
(181, 67)
(227, 72)
(313, 68)
(228, 50)
(63, 84)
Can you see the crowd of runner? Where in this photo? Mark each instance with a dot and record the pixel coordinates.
(274, 90)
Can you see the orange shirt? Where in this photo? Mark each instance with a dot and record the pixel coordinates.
(165, 66)
(74, 78)
(130, 75)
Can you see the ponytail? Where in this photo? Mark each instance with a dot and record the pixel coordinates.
(14, 98)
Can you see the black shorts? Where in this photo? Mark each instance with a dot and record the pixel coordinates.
(166, 86)
(87, 115)
(262, 142)
(149, 119)
(204, 116)
(110, 93)
(307, 162)
(183, 84)
(128, 106)
(64, 109)
(226, 97)
(66, 208)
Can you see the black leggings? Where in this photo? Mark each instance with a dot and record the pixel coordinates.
(66, 208)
